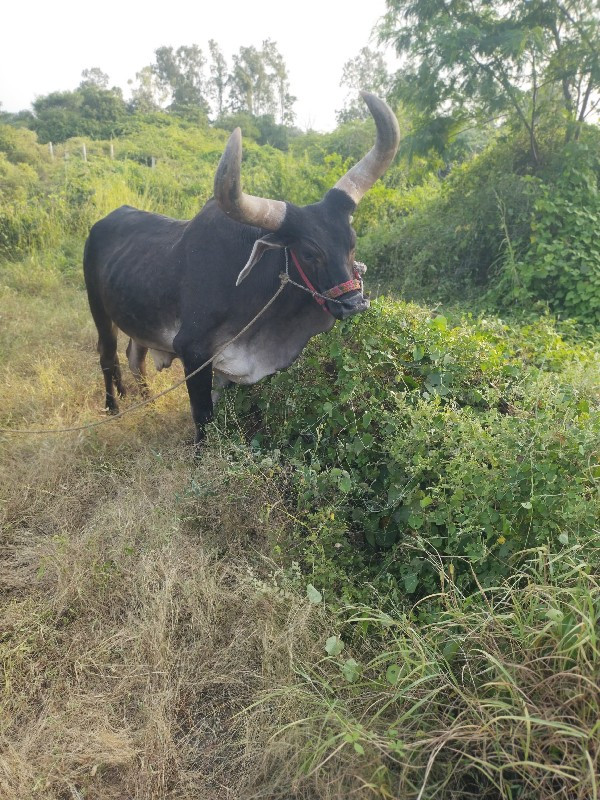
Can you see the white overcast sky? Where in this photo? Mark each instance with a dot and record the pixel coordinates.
(44, 46)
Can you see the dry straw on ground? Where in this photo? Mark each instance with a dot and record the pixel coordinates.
(133, 632)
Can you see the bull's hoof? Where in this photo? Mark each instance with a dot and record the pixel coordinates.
(197, 451)
(111, 406)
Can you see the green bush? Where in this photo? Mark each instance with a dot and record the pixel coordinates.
(449, 239)
(500, 231)
(416, 444)
(561, 266)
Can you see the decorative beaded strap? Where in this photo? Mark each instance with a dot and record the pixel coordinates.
(343, 288)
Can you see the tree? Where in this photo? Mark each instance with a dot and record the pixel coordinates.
(492, 58)
(94, 77)
(89, 110)
(57, 116)
(102, 111)
(366, 72)
(180, 73)
(217, 83)
(280, 80)
(250, 87)
(148, 95)
(259, 83)
(20, 119)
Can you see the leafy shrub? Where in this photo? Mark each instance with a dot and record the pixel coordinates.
(417, 444)
(448, 241)
(562, 263)
(497, 230)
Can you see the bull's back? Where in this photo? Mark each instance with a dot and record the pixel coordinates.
(132, 268)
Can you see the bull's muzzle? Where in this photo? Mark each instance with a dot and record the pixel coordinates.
(348, 307)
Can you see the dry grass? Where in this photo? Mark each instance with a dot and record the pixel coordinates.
(129, 645)
(134, 630)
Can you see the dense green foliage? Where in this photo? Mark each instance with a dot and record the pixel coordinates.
(488, 59)
(419, 446)
(90, 110)
(71, 194)
(500, 231)
(561, 265)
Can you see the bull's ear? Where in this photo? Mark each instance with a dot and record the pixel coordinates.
(269, 242)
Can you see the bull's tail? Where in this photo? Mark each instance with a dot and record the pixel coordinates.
(107, 330)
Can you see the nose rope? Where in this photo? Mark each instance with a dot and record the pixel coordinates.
(331, 294)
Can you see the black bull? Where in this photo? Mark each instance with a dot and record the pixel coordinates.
(170, 285)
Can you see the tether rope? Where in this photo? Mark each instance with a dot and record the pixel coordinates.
(284, 278)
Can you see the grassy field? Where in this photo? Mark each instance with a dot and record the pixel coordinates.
(133, 634)
(155, 643)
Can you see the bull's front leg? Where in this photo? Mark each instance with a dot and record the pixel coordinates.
(199, 388)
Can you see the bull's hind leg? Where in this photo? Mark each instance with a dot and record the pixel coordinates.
(107, 333)
(136, 355)
(109, 361)
(107, 347)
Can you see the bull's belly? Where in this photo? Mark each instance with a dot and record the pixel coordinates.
(160, 346)
(240, 363)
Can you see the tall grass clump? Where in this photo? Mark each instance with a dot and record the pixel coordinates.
(493, 695)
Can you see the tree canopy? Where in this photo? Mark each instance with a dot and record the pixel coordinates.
(488, 59)
(89, 110)
(255, 87)
(366, 72)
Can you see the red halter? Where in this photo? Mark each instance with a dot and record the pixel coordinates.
(330, 294)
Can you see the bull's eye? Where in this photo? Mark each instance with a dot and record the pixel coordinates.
(308, 256)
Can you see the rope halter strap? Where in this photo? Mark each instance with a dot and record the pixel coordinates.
(321, 298)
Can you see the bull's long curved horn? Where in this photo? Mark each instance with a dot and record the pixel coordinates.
(234, 202)
(363, 175)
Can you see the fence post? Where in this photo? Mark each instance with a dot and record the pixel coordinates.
(152, 162)
(112, 150)
(84, 152)
(51, 151)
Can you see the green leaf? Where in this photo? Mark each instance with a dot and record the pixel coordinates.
(527, 506)
(345, 482)
(411, 582)
(418, 353)
(359, 748)
(450, 650)
(334, 646)
(554, 614)
(351, 670)
(314, 595)
(564, 538)
(392, 673)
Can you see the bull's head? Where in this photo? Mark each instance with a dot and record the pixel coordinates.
(320, 234)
